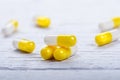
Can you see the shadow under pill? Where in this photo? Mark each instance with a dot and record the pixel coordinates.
(47, 28)
(112, 44)
(21, 52)
(11, 35)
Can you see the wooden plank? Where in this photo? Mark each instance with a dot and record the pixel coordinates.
(60, 75)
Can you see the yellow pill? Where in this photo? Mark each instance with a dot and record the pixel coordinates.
(103, 38)
(43, 21)
(62, 53)
(10, 28)
(116, 22)
(110, 24)
(15, 23)
(107, 37)
(24, 45)
(60, 40)
(47, 52)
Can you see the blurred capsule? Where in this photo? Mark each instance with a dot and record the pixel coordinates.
(43, 21)
(47, 52)
(111, 24)
(10, 28)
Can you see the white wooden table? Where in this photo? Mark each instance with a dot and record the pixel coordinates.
(79, 17)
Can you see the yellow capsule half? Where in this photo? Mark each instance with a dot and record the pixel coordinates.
(47, 52)
(24, 45)
(116, 22)
(15, 23)
(103, 38)
(62, 53)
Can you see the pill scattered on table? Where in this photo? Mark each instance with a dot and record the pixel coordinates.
(60, 40)
(59, 47)
(10, 28)
(107, 37)
(111, 24)
(24, 45)
(42, 21)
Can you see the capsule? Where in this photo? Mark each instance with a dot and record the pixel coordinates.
(64, 53)
(108, 25)
(107, 37)
(60, 40)
(43, 22)
(47, 52)
(10, 28)
(24, 45)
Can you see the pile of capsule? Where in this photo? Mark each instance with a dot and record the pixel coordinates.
(59, 47)
(110, 31)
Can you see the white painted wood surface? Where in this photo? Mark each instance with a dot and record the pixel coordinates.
(79, 17)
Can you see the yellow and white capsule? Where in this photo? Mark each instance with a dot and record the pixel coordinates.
(10, 28)
(108, 25)
(60, 40)
(24, 45)
(64, 53)
(107, 37)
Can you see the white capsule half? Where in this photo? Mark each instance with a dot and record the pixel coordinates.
(50, 40)
(108, 25)
(15, 43)
(115, 34)
(74, 49)
(10, 28)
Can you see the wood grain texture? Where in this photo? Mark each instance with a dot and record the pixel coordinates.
(79, 17)
(59, 74)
